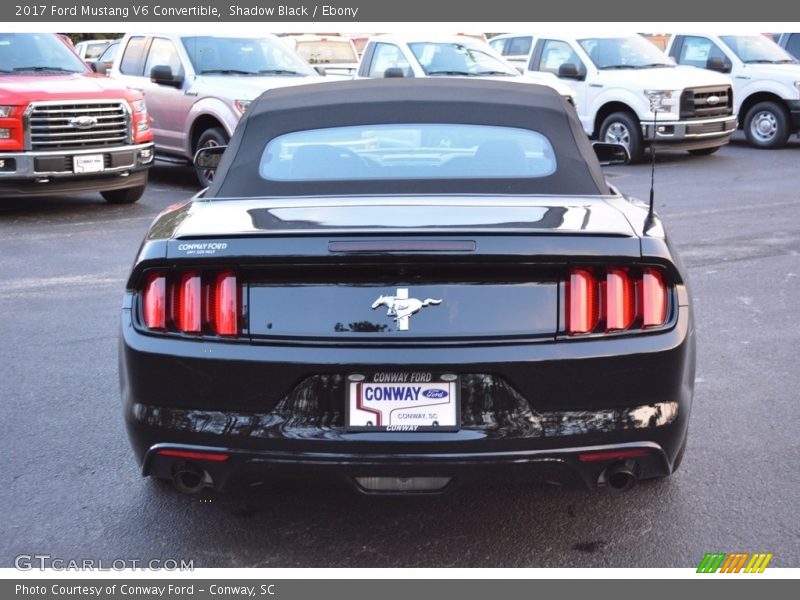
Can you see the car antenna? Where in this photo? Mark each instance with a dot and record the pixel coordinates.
(655, 107)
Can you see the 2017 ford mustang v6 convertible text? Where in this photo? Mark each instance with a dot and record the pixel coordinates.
(407, 284)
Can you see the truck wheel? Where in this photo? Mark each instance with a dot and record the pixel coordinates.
(208, 139)
(704, 151)
(766, 125)
(623, 128)
(123, 196)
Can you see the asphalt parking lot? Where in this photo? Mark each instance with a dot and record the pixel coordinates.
(69, 486)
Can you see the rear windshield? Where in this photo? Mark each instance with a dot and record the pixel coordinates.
(408, 151)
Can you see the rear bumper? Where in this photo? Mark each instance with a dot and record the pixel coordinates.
(243, 467)
(43, 173)
(691, 134)
(279, 409)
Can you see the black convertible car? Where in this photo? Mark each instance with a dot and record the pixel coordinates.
(406, 284)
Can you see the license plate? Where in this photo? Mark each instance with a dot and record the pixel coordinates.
(403, 401)
(88, 163)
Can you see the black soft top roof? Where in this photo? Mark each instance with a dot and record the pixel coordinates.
(375, 101)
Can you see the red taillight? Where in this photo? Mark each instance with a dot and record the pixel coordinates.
(654, 298)
(581, 302)
(188, 454)
(188, 317)
(226, 305)
(613, 454)
(155, 302)
(193, 303)
(614, 299)
(619, 301)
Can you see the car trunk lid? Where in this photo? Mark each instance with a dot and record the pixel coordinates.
(400, 270)
(316, 215)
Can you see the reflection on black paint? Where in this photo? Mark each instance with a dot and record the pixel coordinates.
(315, 410)
(168, 221)
(360, 327)
(279, 219)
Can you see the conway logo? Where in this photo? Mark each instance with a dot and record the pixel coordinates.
(737, 562)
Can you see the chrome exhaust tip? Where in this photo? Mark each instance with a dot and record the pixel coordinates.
(620, 477)
(188, 478)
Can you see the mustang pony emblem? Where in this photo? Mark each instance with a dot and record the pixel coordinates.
(401, 307)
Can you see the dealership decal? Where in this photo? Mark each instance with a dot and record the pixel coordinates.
(393, 377)
(201, 248)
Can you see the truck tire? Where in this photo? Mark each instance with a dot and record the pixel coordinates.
(623, 128)
(766, 125)
(704, 151)
(211, 137)
(124, 196)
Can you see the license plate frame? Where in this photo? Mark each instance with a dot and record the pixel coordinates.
(88, 163)
(445, 407)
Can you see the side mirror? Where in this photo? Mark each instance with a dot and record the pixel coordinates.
(93, 66)
(162, 75)
(715, 63)
(393, 72)
(611, 154)
(208, 158)
(569, 71)
(320, 70)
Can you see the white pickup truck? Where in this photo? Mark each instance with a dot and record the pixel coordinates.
(766, 80)
(613, 78)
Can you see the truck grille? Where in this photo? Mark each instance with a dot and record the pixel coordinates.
(70, 126)
(695, 102)
(707, 128)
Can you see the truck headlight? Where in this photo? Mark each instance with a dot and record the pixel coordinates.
(657, 99)
(5, 133)
(241, 105)
(5, 111)
(796, 85)
(139, 106)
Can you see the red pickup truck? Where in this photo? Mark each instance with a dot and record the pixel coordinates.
(65, 129)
